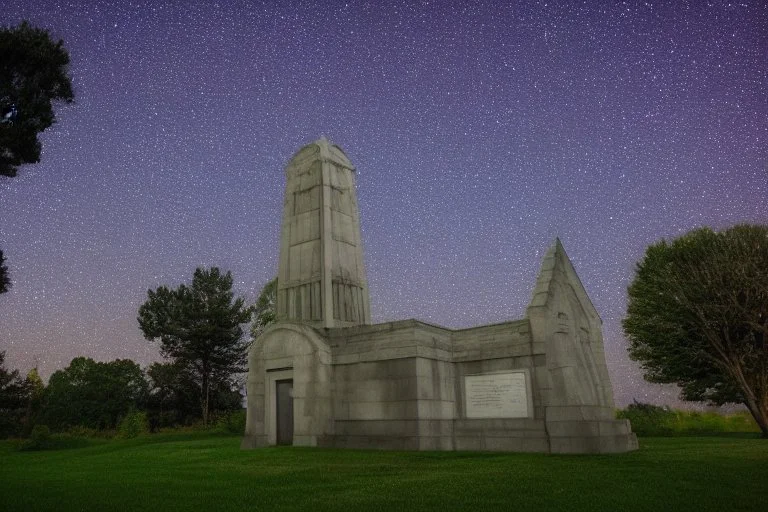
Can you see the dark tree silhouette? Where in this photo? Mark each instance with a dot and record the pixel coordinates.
(199, 327)
(33, 74)
(14, 399)
(93, 394)
(5, 279)
(174, 395)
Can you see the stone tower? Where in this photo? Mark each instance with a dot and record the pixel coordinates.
(321, 278)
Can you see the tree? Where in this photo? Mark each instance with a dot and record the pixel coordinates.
(5, 280)
(698, 316)
(14, 397)
(173, 395)
(33, 74)
(36, 390)
(93, 394)
(265, 309)
(199, 327)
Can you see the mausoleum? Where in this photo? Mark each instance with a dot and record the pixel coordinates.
(323, 375)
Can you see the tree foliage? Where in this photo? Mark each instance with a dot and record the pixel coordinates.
(265, 309)
(36, 390)
(14, 400)
(174, 395)
(199, 328)
(698, 316)
(33, 74)
(5, 279)
(93, 394)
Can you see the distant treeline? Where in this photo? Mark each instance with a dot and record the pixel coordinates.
(98, 396)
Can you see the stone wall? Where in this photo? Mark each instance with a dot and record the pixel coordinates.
(400, 385)
(393, 386)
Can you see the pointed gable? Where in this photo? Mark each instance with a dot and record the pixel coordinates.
(557, 265)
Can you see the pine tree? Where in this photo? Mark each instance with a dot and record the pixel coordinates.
(200, 327)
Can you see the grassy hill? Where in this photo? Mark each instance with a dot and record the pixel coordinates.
(201, 472)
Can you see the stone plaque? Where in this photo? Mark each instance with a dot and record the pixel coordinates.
(496, 395)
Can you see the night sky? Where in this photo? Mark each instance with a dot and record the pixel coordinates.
(480, 132)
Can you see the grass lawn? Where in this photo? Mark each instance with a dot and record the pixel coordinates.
(199, 472)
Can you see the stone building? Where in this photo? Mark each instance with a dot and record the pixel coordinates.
(322, 375)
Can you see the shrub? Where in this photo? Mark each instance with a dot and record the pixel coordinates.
(82, 432)
(741, 422)
(188, 429)
(648, 420)
(652, 420)
(133, 424)
(39, 439)
(232, 423)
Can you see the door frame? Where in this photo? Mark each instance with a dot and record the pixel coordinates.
(270, 422)
(281, 412)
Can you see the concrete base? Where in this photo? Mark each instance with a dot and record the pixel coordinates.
(506, 435)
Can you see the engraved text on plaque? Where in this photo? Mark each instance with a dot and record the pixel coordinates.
(497, 395)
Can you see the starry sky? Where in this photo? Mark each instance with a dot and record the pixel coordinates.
(480, 131)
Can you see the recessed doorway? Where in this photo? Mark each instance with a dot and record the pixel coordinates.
(284, 412)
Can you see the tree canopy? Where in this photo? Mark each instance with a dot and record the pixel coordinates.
(33, 74)
(698, 316)
(14, 397)
(92, 394)
(200, 328)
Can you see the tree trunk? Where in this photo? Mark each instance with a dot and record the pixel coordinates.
(762, 422)
(754, 396)
(204, 399)
(760, 414)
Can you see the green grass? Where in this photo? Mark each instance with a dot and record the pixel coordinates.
(198, 471)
